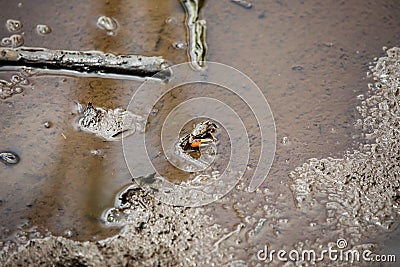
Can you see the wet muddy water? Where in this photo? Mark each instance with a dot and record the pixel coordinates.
(309, 58)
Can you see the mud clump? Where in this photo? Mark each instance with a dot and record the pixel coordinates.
(361, 192)
(157, 235)
(109, 124)
(15, 40)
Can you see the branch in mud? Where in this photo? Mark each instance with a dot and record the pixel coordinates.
(82, 61)
(197, 48)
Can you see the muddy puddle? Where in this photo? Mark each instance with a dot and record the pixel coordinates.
(310, 60)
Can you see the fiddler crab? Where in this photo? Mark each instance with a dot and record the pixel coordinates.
(201, 135)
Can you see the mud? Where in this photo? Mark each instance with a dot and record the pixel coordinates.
(16, 85)
(309, 59)
(112, 124)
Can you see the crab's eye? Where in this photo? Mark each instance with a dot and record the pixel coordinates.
(196, 144)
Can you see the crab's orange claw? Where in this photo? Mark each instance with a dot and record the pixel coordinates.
(196, 144)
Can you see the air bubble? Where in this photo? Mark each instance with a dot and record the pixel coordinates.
(24, 81)
(13, 25)
(6, 41)
(15, 79)
(43, 29)
(17, 90)
(107, 23)
(4, 83)
(14, 40)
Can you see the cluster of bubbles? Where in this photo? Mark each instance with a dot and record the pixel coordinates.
(109, 124)
(43, 29)
(13, 25)
(16, 39)
(110, 25)
(15, 85)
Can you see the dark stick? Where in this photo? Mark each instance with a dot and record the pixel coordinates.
(82, 61)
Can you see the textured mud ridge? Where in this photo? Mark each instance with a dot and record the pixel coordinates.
(17, 84)
(361, 192)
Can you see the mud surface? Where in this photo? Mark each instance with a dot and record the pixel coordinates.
(335, 172)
